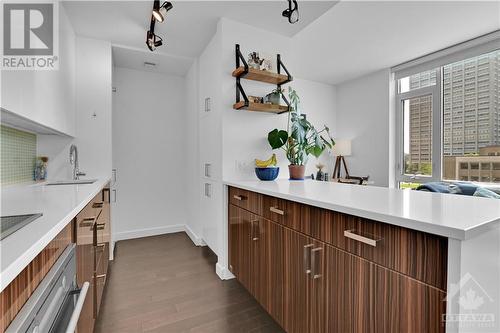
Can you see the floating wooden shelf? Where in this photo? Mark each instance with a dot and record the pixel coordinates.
(261, 107)
(260, 75)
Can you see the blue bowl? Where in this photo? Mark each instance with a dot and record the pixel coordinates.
(267, 173)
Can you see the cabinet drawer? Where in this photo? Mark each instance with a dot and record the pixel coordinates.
(250, 201)
(281, 211)
(417, 254)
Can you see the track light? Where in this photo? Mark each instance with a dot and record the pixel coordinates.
(153, 41)
(292, 13)
(160, 12)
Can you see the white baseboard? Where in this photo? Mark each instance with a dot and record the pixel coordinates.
(139, 233)
(198, 241)
(223, 272)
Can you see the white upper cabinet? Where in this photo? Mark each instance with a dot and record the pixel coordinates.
(46, 97)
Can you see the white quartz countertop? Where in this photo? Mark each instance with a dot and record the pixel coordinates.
(59, 205)
(453, 216)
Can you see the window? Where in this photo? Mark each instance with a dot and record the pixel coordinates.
(449, 121)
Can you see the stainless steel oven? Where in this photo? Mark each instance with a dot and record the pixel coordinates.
(56, 304)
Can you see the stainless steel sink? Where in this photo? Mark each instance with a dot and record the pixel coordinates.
(10, 224)
(72, 182)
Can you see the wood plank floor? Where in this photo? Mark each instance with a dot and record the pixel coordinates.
(166, 284)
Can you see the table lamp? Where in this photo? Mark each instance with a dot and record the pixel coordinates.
(340, 149)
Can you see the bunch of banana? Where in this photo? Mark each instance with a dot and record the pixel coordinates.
(272, 161)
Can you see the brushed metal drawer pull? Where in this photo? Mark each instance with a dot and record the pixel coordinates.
(239, 197)
(307, 258)
(101, 245)
(255, 231)
(97, 204)
(315, 262)
(88, 221)
(365, 240)
(100, 226)
(100, 276)
(276, 210)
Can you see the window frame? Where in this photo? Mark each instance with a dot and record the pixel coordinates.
(435, 91)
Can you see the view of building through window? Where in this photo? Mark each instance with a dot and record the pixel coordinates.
(470, 115)
(471, 119)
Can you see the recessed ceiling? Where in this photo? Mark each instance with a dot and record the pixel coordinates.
(355, 38)
(189, 26)
(135, 58)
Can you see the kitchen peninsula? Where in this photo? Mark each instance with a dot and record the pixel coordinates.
(317, 255)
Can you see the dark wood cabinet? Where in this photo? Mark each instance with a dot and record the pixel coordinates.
(312, 276)
(92, 235)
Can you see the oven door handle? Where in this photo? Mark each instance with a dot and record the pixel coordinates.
(78, 309)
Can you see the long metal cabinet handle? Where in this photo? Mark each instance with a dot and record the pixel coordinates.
(276, 210)
(365, 240)
(88, 221)
(314, 262)
(73, 321)
(255, 231)
(239, 197)
(307, 258)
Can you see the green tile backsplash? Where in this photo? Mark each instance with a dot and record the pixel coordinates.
(17, 155)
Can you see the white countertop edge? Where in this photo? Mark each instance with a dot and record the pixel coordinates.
(13, 270)
(445, 231)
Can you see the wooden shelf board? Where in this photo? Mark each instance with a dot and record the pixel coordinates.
(260, 107)
(260, 75)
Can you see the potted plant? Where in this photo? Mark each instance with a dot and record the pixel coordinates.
(300, 140)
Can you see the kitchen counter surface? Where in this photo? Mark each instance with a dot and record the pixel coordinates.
(453, 216)
(59, 205)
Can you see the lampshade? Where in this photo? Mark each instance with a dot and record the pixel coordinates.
(342, 148)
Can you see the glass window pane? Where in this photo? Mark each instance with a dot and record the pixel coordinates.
(418, 135)
(471, 118)
(417, 81)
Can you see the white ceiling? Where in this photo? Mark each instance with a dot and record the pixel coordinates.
(134, 58)
(355, 38)
(189, 25)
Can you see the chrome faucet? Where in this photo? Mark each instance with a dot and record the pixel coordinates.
(73, 160)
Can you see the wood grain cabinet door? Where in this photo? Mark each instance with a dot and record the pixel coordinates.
(240, 245)
(386, 301)
(297, 249)
(258, 259)
(275, 271)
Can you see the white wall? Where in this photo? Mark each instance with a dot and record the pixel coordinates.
(93, 105)
(245, 133)
(46, 97)
(363, 115)
(149, 153)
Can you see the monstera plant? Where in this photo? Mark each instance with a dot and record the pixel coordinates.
(300, 139)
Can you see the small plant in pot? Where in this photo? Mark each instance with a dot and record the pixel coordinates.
(300, 140)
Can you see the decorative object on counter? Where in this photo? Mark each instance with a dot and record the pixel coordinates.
(300, 140)
(326, 177)
(254, 60)
(267, 170)
(266, 174)
(271, 161)
(341, 149)
(41, 168)
(320, 175)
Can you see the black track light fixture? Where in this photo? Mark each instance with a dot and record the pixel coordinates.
(160, 12)
(292, 13)
(153, 41)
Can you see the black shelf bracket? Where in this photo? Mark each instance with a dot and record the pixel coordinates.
(279, 65)
(239, 89)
